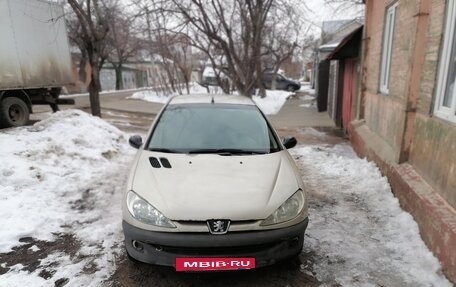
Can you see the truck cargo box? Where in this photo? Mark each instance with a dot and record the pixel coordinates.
(34, 50)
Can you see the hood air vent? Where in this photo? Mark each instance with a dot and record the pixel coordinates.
(165, 163)
(154, 162)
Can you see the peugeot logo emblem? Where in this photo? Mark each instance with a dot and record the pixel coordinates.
(218, 226)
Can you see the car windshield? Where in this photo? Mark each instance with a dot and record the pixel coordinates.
(214, 128)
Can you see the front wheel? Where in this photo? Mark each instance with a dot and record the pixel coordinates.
(13, 112)
(291, 88)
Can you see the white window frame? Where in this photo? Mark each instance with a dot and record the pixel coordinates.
(441, 111)
(387, 49)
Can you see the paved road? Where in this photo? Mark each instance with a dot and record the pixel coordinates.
(111, 101)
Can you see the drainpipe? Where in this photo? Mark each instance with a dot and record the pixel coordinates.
(414, 83)
(361, 86)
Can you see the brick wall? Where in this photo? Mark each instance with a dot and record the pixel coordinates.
(433, 152)
(385, 114)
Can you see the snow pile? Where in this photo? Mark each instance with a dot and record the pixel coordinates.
(273, 102)
(150, 96)
(357, 232)
(307, 89)
(159, 96)
(63, 175)
(270, 105)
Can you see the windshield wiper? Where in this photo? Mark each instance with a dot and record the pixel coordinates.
(166, 150)
(225, 151)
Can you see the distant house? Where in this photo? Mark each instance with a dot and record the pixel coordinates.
(344, 69)
(129, 75)
(327, 77)
(136, 73)
(405, 113)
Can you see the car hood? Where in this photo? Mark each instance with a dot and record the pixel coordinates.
(210, 186)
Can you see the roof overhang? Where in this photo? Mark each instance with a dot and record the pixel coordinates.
(348, 40)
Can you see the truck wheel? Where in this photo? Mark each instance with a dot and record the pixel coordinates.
(13, 112)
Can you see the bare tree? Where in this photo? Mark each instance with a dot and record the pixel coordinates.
(352, 7)
(239, 37)
(93, 30)
(180, 53)
(74, 31)
(123, 40)
(169, 39)
(233, 29)
(287, 35)
(281, 38)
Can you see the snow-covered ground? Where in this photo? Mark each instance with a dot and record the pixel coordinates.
(358, 234)
(61, 185)
(62, 179)
(273, 102)
(306, 88)
(270, 104)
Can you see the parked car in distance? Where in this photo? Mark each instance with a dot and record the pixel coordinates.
(282, 82)
(213, 188)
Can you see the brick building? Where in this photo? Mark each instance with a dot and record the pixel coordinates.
(406, 112)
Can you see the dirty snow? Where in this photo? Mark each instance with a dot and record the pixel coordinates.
(63, 175)
(358, 233)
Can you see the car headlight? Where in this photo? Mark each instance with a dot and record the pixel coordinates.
(146, 213)
(288, 210)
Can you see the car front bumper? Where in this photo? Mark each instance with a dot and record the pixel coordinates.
(162, 248)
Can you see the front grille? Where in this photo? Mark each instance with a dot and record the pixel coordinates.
(204, 223)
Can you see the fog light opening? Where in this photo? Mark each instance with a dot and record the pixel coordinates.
(137, 245)
(293, 241)
(159, 248)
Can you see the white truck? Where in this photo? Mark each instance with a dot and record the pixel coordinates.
(35, 60)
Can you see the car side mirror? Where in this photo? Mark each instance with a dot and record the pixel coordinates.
(289, 142)
(135, 141)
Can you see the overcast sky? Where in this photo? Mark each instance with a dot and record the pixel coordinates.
(320, 11)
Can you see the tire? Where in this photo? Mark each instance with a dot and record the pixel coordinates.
(13, 112)
(291, 88)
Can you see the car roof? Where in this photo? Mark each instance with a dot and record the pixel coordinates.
(207, 98)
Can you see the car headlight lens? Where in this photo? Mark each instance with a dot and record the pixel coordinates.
(288, 210)
(146, 213)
